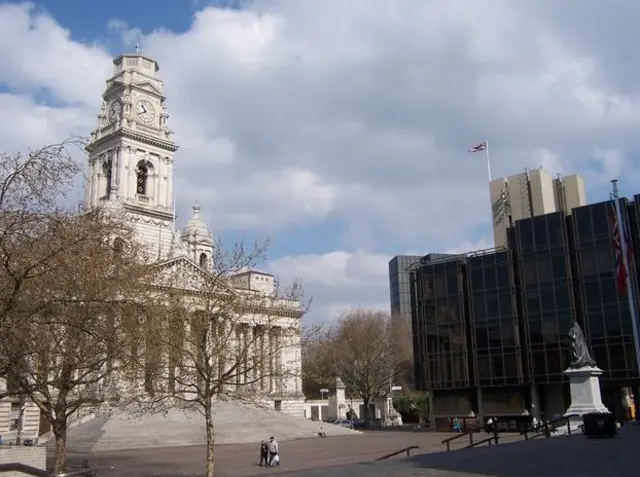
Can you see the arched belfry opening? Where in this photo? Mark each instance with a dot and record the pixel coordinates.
(143, 170)
(106, 171)
(203, 260)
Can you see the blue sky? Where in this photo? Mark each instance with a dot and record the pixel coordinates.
(340, 129)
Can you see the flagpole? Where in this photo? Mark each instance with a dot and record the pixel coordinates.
(486, 153)
(625, 260)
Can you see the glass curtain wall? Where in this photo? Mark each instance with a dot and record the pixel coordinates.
(495, 333)
(546, 299)
(441, 348)
(604, 312)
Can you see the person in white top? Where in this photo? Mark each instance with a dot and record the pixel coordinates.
(273, 452)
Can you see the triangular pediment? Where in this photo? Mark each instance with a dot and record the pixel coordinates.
(114, 89)
(181, 273)
(149, 87)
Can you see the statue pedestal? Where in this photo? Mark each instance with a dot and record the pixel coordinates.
(584, 384)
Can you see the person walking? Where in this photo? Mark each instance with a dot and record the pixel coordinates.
(274, 457)
(264, 453)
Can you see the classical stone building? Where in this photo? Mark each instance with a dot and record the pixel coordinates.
(131, 161)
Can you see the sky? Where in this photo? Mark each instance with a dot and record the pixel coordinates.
(340, 129)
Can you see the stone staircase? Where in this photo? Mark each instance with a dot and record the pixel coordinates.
(234, 423)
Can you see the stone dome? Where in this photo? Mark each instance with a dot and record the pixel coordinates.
(196, 230)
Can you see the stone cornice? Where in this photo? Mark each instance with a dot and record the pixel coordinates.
(133, 135)
(263, 310)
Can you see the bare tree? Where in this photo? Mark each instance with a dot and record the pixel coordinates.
(68, 283)
(219, 339)
(318, 370)
(31, 187)
(63, 356)
(402, 344)
(363, 353)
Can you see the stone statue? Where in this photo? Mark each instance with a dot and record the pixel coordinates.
(578, 350)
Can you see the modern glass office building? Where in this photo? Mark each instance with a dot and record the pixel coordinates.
(491, 327)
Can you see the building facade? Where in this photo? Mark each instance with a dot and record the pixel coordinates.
(531, 193)
(400, 268)
(131, 160)
(491, 327)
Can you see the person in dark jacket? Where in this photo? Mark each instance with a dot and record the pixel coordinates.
(264, 453)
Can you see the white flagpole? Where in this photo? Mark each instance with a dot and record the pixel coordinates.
(486, 153)
(625, 260)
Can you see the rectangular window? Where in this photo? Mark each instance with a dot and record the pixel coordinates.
(512, 365)
(588, 264)
(605, 259)
(14, 416)
(528, 266)
(504, 276)
(535, 332)
(484, 367)
(540, 232)
(559, 266)
(525, 233)
(544, 269)
(582, 220)
(555, 226)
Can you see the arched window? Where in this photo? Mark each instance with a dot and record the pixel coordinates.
(203, 260)
(142, 176)
(118, 245)
(106, 170)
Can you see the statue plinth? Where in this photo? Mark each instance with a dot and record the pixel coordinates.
(584, 384)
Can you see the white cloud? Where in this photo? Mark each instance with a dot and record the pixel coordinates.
(355, 114)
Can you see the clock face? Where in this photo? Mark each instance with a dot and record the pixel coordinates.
(115, 109)
(145, 111)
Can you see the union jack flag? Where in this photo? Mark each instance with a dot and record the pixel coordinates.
(618, 251)
(479, 147)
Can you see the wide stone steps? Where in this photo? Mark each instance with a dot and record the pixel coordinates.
(234, 423)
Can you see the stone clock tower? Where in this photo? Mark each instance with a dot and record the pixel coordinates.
(131, 153)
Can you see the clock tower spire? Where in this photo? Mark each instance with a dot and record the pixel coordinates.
(131, 152)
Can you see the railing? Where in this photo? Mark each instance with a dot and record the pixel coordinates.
(546, 427)
(35, 472)
(448, 441)
(545, 431)
(25, 469)
(406, 450)
(494, 438)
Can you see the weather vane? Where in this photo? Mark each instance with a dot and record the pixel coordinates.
(137, 46)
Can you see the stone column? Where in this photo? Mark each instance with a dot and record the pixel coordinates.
(116, 171)
(113, 157)
(126, 173)
(170, 184)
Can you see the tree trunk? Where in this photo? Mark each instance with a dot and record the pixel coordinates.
(208, 415)
(60, 433)
(365, 412)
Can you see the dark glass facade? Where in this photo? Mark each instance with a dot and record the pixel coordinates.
(543, 267)
(603, 312)
(439, 327)
(399, 286)
(499, 319)
(495, 334)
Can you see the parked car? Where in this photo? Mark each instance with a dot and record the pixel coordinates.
(343, 423)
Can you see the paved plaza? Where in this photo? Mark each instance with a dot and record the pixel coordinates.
(571, 456)
(353, 456)
(236, 460)
(241, 459)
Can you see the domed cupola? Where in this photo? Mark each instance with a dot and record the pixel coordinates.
(198, 239)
